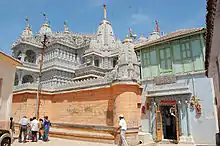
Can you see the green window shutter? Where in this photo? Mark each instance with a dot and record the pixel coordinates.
(165, 60)
(153, 57)
(197, 55)
(176, 52)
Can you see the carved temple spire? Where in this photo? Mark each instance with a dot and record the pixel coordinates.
(105, 12)
(27, 31)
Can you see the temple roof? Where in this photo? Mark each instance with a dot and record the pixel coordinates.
(169, 36)
(9, 59)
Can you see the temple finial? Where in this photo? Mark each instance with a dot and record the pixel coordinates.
(131, 34)
(157, 26)
(28, 28)
(65, 26)
(105, 11)
(45, 17)
(26, 20)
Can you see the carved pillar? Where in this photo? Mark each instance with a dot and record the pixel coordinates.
(52, 54)
(93, 60)
(20, 76)
(22, 56)
(56, 53)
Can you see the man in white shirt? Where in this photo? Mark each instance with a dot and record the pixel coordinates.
(23, 128)
(123, 128)
(34, 129)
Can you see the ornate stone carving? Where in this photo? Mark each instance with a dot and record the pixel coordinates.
(164, 80)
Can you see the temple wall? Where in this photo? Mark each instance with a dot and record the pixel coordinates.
(88, 107)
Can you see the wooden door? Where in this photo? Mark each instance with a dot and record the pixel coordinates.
(177, 123)
(159, 127)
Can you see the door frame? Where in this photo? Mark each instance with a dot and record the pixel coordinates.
(174, 104)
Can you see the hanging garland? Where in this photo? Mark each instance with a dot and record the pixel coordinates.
(194, 103)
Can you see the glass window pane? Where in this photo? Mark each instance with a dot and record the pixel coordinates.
(153, 57)
(188, 53)
(176, 52)
(187, 46)
(196, 48)
(162, 64)
(169, 64)
(168, 55)
(184, 54)
(162, 54)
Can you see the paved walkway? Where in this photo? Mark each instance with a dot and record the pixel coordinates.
(60, 142)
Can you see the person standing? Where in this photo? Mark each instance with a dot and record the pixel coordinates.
(122, 127)
(168, 125)
(12, 126)
(47, 125)
(29, 133)
(34, 129)
(23, 129)
(41, 129)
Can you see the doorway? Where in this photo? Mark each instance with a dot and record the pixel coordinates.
(169, 121)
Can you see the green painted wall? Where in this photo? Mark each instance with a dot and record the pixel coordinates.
(174, 57)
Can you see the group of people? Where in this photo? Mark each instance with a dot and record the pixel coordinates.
(33, 127)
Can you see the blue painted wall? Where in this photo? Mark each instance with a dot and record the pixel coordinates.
(205, 127)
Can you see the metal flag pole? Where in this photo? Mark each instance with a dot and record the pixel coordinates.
(45, 41)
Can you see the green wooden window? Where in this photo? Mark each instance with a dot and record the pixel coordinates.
(145, 58)
(186, 52)
(165, 60)
(176, 52)
(153, 57)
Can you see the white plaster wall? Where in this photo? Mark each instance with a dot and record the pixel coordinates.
(7, 73)
(203, 129)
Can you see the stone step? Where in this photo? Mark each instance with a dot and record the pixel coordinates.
(75, 134)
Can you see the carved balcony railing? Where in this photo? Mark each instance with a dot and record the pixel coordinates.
(91, 69)
(31, 65)
(26, 86)
(53, 87)
(56, 62)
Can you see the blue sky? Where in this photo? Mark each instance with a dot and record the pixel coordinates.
(85, 15)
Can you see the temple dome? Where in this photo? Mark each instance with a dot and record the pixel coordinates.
(153, 36)
(45, 29)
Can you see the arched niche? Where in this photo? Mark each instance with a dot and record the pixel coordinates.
(30, 56)
(27, 79)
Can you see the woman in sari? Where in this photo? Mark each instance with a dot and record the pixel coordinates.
(41, 129)
(46, 125)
